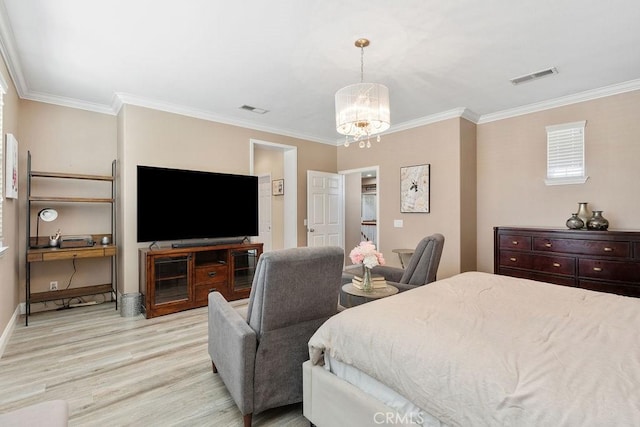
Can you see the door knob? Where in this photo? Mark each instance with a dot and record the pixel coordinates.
(311, 230)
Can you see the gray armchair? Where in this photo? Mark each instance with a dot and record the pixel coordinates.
(260, 358)
(420, 270)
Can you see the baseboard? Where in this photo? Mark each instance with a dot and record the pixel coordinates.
(6, 334)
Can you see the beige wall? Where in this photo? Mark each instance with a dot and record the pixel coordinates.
(468, 196)
(11, 261)
(442, 146)
(512, 167)
(163, 139)
(71, 141)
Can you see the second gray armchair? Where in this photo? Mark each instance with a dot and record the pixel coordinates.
(420, 270)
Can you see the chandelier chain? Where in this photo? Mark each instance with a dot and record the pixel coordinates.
(361, 64)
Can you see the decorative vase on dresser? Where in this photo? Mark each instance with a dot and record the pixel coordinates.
(583, 213)
(597, 222)
(574, 223)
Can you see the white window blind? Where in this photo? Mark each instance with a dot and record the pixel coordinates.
(565, 154)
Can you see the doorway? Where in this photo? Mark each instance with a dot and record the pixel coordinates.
(284, 230)
(362, 206)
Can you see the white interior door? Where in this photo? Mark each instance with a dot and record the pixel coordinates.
(325, 213)
(264, 212)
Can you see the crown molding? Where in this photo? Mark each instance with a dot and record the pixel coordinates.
(8, 52)
(461, 112)
(120, 99)
(129, 99)
(12, 61)
(588, 95)
(69, 102)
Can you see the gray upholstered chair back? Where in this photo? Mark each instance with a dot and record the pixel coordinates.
(423, 264)
(293, 286)
(260, 358)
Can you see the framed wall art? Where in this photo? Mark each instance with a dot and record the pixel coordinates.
(277, 187)
(11, 168)
(414, 188)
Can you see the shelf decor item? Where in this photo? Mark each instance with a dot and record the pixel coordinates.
(367, 255)
(583, 212)
(598, 222)
(575, 223)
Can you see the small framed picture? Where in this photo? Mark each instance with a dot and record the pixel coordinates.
(277, 187)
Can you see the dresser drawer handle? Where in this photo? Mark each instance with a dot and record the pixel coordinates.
(515, 242)
(548, 245)
(597, 269)
(212, 274)
(555, 264)
(514, 259)
(608, 249)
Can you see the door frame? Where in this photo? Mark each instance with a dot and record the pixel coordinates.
(290, 219)
(268, 242)
(360, 170)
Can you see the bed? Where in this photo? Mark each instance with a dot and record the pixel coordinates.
(478, 349)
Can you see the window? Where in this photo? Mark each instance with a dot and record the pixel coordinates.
(565, 154)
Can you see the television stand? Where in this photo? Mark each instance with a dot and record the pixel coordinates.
(208, 242)
(176, 279)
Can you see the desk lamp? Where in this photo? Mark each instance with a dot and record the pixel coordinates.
(47, 215)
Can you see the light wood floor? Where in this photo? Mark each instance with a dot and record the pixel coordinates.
(117, 371)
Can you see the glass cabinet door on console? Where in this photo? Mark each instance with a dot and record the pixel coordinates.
(167, 279)
(244, 267)
(171, 279)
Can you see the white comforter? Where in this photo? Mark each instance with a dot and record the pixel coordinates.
(479, 349)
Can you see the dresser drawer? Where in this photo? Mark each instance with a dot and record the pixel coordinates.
(609, 270)
(620, 289)
(583, 247)
(515, 242)
(543, 263)
(540, 277)
(214, 273)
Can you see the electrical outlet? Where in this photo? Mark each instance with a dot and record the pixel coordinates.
(53, 285)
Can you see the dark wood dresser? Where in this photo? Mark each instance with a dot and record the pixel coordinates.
(605, 261)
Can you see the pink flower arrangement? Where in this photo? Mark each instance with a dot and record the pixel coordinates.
(365, 253)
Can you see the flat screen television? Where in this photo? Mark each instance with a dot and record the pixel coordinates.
(178, 204)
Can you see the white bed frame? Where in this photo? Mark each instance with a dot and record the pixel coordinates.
(329, 401)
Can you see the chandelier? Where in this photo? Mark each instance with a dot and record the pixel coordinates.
(362, 109)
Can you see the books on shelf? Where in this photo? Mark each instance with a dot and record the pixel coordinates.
(377, 281)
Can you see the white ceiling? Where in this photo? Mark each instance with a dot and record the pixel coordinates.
(206, 58)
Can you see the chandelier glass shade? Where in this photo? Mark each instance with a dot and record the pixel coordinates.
(362, 109)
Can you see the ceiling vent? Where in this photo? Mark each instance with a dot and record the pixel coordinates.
(254, 109)
(534, 76)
